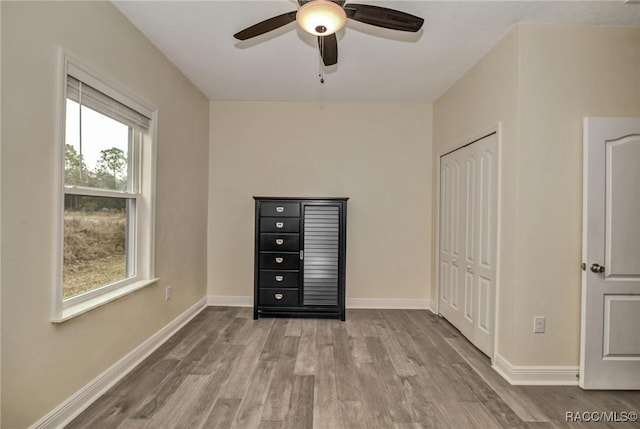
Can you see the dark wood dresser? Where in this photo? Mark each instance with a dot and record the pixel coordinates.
(300, 246)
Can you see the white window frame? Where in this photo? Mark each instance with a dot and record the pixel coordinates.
(141, 248)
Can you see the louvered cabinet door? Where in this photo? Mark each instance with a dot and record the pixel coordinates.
(321, 229)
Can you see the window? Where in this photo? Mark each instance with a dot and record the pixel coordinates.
(107, 195)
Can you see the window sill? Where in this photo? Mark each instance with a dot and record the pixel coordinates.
(98, 301)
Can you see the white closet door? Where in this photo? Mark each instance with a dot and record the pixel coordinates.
(451, 183)
(468, 232)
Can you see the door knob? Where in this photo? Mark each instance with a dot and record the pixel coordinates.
(597, 268)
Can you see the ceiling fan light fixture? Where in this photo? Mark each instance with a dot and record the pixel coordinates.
(321, 17)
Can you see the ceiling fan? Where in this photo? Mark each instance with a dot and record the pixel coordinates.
(323, 18)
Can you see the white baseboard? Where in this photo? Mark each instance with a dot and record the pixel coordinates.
(79, 401)
(384, 303)
(230, 301)
(545, 375)
(380, 303)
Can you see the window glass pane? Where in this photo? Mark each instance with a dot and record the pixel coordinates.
(97, 150)
(96, 231)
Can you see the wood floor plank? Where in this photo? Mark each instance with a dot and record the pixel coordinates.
(294, 328)
(325, 409)
(250, 411)
(300, 414)
(429, 327)
(447, 385)
(478, 416)
(199, 407)
(217, 352)
(500, 411)
(428, 353)
(453, 415)
(347, 383)
(389, 382)
(136, 387)
(175, 408)
(222, 414)
(201, 327)
(279, 395)
(133, 424)
(402, 364)
(271, 349)
(100, 414)
(357, 339)
(271, 424)
(323, 332)
(140, 381)
(365, 319)
(424, 413)
(156, 398)
(376, 406)
(351, 415)
(244, 336)
(306, 358)
(236, 384)
(526, 409)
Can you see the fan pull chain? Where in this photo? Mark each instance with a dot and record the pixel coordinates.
(320, 64)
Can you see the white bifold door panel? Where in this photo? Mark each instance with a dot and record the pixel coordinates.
(468, 240)
(610, 326)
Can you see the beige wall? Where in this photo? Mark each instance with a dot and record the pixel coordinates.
(566, 73)
(379, 155)
(486, 96)
(561, 74)
(43, 364)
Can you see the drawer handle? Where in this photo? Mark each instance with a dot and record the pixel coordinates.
(279, 296)
(279, 224)
(279, 241)
(280, 209)
(279, 260)
(279, 278)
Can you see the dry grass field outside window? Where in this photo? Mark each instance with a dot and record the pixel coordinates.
(94, 251)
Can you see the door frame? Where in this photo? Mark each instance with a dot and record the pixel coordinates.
(497, 130)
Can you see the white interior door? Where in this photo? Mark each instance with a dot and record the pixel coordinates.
(610, 339)
(451, 182)
(468, 240)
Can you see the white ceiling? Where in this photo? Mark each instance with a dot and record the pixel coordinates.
(374, 64)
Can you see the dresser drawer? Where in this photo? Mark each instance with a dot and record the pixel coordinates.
(279, 224)
(280, 242)
(278, 279)
(279, 297)
(279, 261)
(280, 209)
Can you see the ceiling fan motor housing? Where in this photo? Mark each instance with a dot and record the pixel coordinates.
(321, 17)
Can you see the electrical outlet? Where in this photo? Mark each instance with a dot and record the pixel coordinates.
(538, 324)
(167, 293)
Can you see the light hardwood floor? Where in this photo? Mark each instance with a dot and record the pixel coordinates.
(379, 369)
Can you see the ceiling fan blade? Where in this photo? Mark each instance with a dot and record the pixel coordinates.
(328, 49)
(383, 17)
(266, 26)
